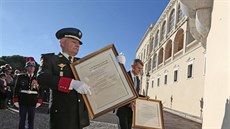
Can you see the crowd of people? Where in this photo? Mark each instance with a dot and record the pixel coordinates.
(7, 80)
(8, 76)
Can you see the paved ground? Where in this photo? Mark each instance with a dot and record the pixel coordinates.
(171, 121)
(9, 120)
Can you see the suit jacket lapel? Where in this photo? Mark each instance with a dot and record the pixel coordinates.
(129, 73)
(137, 79)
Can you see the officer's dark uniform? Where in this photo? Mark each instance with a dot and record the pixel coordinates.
(68, 110)
(28, 97)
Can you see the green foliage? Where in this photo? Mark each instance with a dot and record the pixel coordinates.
(2, 62)
(15, 61)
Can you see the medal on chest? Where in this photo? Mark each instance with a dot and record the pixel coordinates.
(61, 69)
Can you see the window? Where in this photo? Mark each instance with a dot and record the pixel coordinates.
(149, 64)
(160, 56)
(148, 50)
(158, 81)
(151, 45)
(163, 30)
(146, 68)
(180, 14)
(154, 61)
(179, 41)
(152, 83)
(171, 20)
(189, 72)
(175, 75)
(166, 79)
(168, 50)
(144, 55)
(157, 38)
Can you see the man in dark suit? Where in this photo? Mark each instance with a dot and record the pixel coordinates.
(27, 94)
(67, 110)
(125, 113)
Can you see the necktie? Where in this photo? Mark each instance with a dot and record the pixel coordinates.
(136, 84)
(70, 59)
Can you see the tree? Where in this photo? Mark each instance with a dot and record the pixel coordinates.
(15, 61)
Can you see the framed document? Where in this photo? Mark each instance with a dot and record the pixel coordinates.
(108, 81)
(148, 114)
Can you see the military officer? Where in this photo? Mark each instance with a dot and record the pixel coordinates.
(67, 110)
(26, 94)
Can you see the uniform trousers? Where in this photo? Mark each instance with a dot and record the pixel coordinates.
(23, 111)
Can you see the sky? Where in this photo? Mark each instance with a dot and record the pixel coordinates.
(28, 27)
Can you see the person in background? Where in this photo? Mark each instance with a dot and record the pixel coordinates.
(10, 85)
(3, 88)
(27, 94)
(125, 113)
(9, 78)
(16, 72)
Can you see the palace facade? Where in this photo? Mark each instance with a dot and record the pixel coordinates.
(175, 63)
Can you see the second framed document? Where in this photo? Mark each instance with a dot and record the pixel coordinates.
(148, 114)
(110, 86)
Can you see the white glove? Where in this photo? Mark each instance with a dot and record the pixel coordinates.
(15, 101)
(80, 87)
(121, 58)
(38, 105)
(115, 111)
(16, 104)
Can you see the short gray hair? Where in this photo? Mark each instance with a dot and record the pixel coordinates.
(138, 61)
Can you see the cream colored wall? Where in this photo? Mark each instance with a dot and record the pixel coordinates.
(186, 92)
(217, 86)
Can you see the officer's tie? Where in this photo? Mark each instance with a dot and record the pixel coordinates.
(30, 76)
(70, 59)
